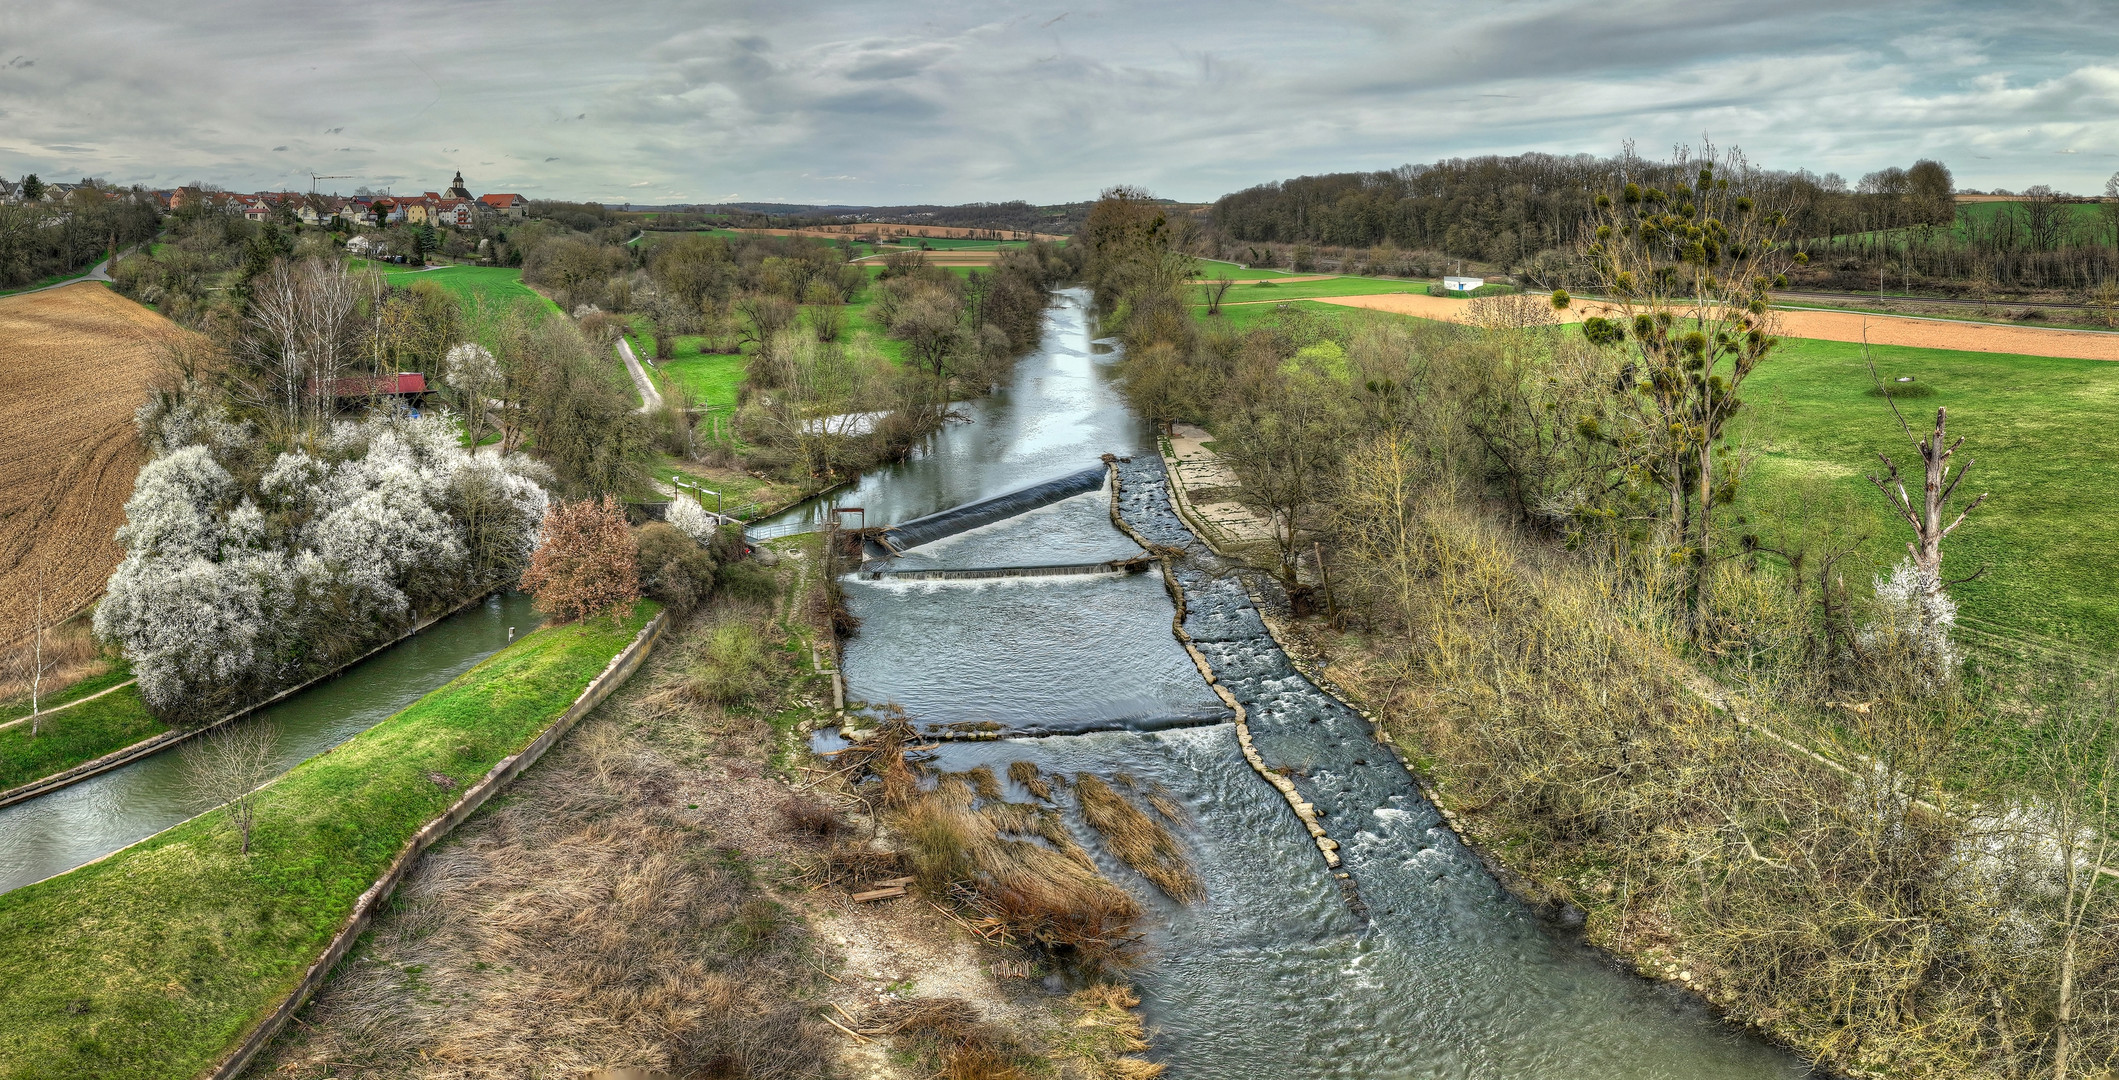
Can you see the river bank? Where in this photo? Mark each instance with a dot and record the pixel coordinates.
(659, 894)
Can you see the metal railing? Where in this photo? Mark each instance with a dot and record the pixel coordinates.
(785, 528)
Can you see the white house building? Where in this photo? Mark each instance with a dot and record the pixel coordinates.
(1454, 283)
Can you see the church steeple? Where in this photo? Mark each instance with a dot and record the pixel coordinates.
(457, 190)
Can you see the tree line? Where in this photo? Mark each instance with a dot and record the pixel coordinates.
(41, 239)
(1525, 215)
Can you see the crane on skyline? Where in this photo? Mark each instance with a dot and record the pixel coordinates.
(313, 178)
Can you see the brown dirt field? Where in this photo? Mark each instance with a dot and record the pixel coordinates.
(948, 258)
(1829, 326)
(81, 358)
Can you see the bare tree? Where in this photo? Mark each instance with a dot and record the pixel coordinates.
(2045, 217)
(2075, 765)
(1938, 485)
(32, 660)
(229, 768)
(303, 336)
(1213, 291)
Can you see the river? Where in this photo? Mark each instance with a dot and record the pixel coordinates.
(1435, 971)
(54, 833)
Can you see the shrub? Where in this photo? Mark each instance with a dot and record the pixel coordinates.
(585, 563)
(672, 567)
(742, 581)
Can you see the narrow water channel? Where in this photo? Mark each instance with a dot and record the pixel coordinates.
(54, 833)
(1438, 973)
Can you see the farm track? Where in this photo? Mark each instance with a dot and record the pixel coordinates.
(1940, 301)
(82, 357)
(1849, 326)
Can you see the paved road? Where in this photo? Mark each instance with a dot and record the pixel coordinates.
(650, 398)
(100, 273)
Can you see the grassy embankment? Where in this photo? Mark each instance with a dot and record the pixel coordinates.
(77, 733)
(155, 960)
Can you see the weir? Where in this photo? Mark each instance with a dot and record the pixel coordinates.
(1136, 565)
(971, 515)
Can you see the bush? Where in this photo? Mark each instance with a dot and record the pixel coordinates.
(732, 665)
(586, 564)
(672, 567)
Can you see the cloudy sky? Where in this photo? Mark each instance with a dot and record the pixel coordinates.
(951, 101)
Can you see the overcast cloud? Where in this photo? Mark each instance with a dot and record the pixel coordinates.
(881, 103)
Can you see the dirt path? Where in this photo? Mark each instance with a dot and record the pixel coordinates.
(1825, 326)
(650, 398)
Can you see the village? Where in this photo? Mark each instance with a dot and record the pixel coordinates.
(455, 207)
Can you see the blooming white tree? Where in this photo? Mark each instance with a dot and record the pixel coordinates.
(227, 593)
(472, 372)
(1915, 610)
(691, 519)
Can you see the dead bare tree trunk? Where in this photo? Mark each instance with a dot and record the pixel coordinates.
(1926, 517)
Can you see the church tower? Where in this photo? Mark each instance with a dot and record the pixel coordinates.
(457, 190)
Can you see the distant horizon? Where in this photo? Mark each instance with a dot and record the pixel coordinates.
(825, 102)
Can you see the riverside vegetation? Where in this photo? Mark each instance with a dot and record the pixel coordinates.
(1671, 691)
(665, 891)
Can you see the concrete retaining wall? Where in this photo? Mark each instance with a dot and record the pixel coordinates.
(503, 772)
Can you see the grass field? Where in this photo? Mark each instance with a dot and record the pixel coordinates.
(2084, 218)
(112, 673)
(151, 963)
(82, 733)
(1276, 292)
(2035, 425)
(494, 286)
(79, 361)
(2037, 428)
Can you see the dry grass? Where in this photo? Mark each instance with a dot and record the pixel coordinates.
(1556, 710)
(70, 655)
(79, 360)
(951, 1040)
(602, 915)
(1013, 866)
(1138, 840)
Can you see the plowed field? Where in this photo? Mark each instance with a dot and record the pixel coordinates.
(78, 361)
(1825, 326)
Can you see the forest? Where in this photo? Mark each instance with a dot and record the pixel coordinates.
(1524, 214)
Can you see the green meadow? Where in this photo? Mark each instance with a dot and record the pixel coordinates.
(2044, 543)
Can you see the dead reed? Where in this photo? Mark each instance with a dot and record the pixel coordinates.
(1138, 840)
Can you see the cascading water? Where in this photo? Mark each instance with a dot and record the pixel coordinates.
(1435, 971)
